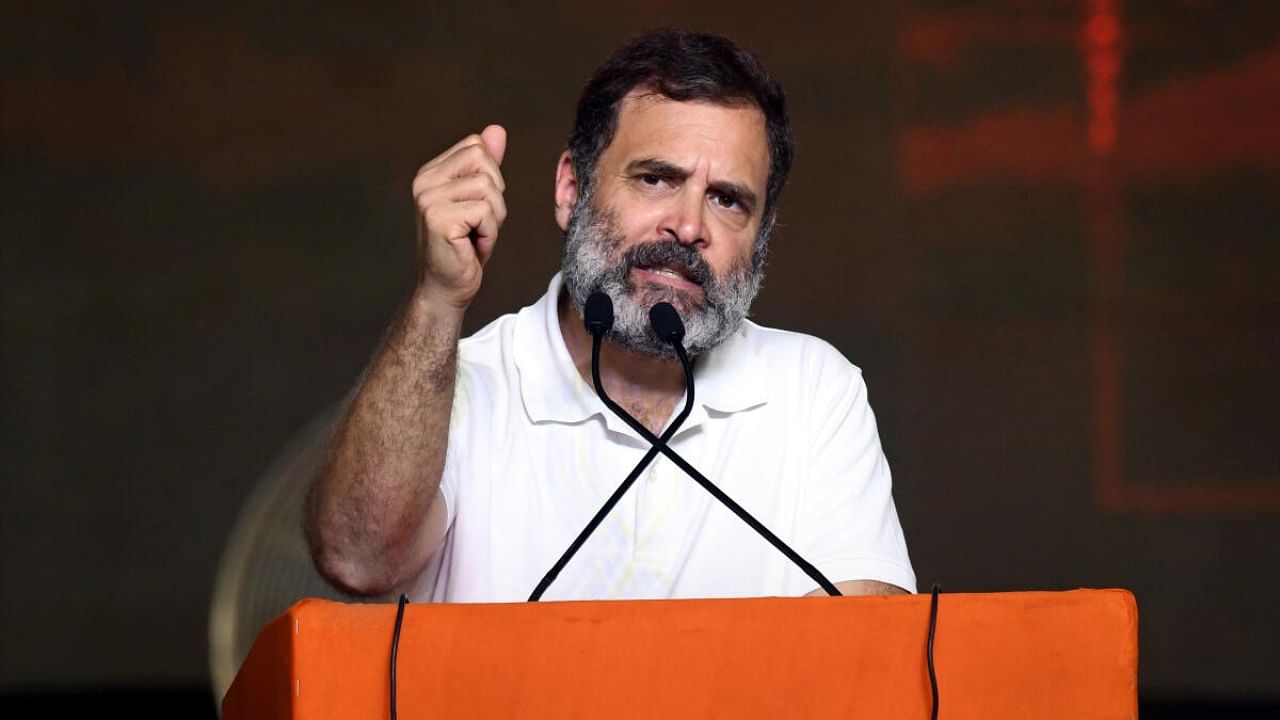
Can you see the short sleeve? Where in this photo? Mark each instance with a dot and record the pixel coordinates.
(849, 521)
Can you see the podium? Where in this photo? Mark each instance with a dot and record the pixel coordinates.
(1025, 655)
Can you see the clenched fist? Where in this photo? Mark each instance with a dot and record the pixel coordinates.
(460, 209)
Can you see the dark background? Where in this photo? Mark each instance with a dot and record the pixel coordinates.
(1047, 231)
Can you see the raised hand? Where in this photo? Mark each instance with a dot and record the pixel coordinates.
(460, 209)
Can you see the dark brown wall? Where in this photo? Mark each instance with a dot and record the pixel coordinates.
(1045, 230)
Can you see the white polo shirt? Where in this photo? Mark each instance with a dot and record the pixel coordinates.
(781, 424)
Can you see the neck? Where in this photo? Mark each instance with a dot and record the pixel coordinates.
(647, 387)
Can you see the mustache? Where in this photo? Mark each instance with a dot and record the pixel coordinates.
(672, 254)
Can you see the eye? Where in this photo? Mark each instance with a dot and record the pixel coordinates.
(728, 201)
(652, 180)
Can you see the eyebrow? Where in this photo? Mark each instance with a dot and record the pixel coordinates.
(665, 169)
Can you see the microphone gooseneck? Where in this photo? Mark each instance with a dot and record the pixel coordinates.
(598, 317)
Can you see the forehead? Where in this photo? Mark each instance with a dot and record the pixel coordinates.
(729, 139)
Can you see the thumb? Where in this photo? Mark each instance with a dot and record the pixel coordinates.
(494, 138)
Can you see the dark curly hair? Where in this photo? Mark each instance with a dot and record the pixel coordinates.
(684, 66)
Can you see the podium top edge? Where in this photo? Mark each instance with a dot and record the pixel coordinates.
(1121, 595)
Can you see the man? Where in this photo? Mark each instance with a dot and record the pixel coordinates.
(462, 469)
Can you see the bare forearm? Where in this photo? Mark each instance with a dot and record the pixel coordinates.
(370, 501)
(369, 517)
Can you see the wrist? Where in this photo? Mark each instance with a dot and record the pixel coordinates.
(427, 303)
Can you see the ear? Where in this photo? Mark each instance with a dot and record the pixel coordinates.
(566, 189)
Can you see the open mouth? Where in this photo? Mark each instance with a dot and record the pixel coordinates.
(667, 263)
(670, 275)
(674, 272)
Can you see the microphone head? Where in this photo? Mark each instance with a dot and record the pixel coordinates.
(666, 323)
(597, 314)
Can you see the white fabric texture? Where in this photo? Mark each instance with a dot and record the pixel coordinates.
(781, 424)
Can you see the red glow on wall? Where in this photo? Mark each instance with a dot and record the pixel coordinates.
(1101, 38)
(1104, 180)
(1188, 126)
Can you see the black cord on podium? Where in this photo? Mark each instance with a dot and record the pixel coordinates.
(395, 650)
(933, 628)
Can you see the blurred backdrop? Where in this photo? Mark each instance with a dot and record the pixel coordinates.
(1047, 231)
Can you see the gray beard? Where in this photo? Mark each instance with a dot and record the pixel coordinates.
(591, 263)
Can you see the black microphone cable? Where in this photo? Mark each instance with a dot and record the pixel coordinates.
(933, 629)
(395, 650)
(674, 333)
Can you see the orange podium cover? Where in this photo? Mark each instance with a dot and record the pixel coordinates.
(1027, 655)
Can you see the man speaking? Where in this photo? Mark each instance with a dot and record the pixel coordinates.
(462, 468)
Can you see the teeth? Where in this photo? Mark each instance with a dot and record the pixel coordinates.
(668, 273)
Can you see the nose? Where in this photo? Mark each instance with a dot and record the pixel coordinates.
(685, 220)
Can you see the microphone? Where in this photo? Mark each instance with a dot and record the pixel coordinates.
(597, 315)
(668, 326)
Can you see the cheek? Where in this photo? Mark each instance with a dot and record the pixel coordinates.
(640, 222)
(636, 231)
(739, 257)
